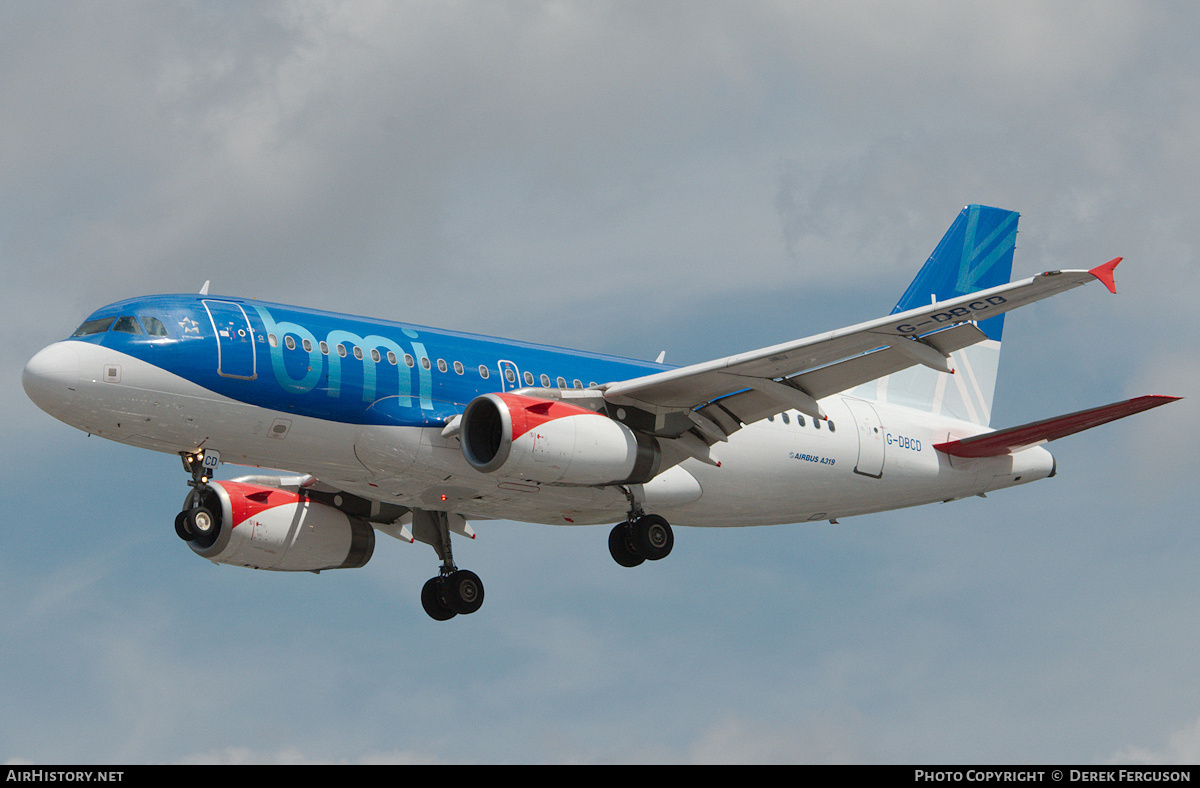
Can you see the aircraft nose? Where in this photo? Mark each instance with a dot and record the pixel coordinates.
(51, 377)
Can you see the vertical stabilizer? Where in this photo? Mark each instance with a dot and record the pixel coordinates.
(976, 253)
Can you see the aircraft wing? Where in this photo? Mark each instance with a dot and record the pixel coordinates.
(720, 396)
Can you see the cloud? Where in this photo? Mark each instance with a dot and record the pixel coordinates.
(1181, 747)
(732, 739)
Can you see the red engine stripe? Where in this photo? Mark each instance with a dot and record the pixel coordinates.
(247, 500)
(528, 413)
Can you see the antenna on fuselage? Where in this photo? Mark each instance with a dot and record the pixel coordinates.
(204, 290)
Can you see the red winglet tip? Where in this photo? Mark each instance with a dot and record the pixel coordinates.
(1105, 274)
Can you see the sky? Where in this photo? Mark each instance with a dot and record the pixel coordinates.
(698, 178)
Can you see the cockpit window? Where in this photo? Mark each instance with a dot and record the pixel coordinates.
(127, 325)
(91, 327)
(154, 327)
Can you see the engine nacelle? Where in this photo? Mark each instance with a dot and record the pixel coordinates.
(269, 528)
(553, 442)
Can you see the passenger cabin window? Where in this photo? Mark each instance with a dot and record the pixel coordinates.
(91, 327)
(483, 372)
(289, 343)
(545, 380)
(127, 325)
(509, 375)
(562, 382)
(441, 365)
(458, 368)
(528, 378)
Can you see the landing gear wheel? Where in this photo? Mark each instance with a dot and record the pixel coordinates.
(432, 601)
(623, 546)
(202, 525)
(653, 537)
(462, 591)
(181, 527)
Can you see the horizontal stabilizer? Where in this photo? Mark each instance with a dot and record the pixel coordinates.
(994, 444)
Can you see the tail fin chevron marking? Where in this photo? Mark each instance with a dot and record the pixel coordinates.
(973, 267)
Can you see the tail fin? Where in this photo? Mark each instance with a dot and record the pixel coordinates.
(976, 253)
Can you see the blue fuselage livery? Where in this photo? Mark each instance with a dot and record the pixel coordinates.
(338, 367)
(410, 431)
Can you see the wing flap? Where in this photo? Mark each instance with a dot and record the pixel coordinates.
(747, 406)
(864, 368)
(1013, 439)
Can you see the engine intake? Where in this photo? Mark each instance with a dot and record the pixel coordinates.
(553, 442)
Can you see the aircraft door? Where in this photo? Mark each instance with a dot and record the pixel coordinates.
(870, 438)
(235, 340)
(510, 376)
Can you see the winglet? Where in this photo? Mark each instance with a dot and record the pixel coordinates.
(1105, 274)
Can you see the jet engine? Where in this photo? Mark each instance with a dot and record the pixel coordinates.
(552, 442)
(269, 528)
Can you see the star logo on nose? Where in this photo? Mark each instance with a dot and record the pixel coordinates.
(189, 326)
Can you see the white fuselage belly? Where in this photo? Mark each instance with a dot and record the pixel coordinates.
(770, 472)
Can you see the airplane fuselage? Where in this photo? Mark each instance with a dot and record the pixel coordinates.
(364, 404)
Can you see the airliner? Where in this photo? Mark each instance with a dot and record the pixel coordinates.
(378, 426)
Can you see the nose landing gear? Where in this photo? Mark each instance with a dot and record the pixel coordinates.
(199, 522)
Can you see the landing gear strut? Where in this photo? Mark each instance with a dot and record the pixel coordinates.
(199, 522)
(454, 590)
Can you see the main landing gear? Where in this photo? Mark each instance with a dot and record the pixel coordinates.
(642, 537)
(645, 538)
(199, 522)
(454, 590)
